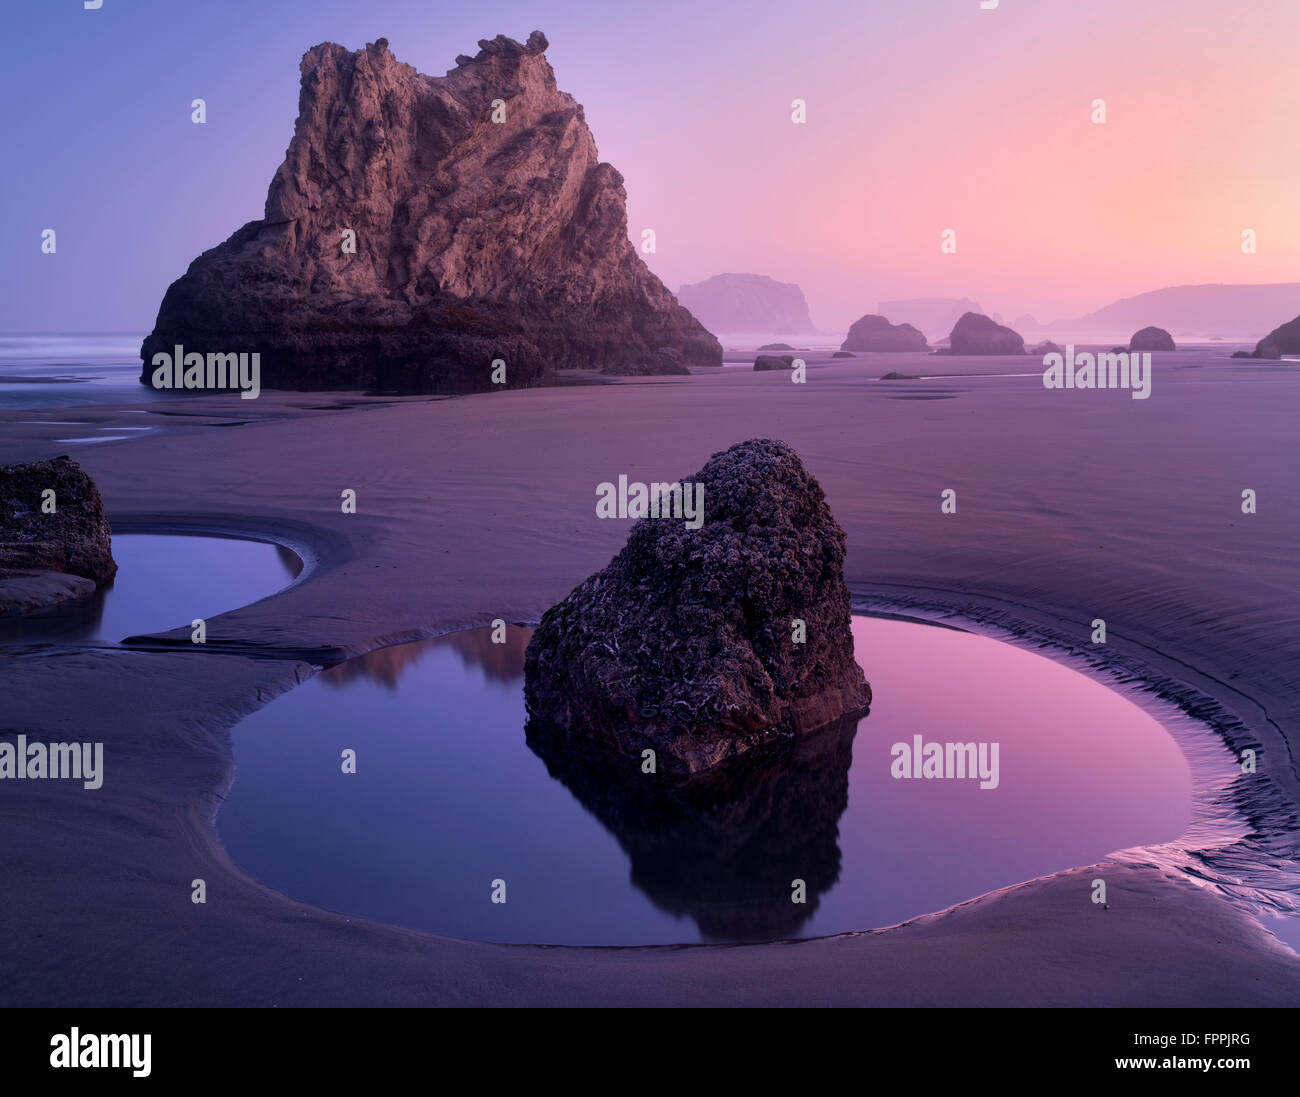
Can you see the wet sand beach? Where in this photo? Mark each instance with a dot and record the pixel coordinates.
(1071, 505)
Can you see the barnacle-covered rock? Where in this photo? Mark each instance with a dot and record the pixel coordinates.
(704, 643)
(55, 542)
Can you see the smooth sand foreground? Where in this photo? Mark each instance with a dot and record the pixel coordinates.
(1071, 505)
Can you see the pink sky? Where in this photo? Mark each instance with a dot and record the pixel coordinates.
(941, 115)
(923, 115)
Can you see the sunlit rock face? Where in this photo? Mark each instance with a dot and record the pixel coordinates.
(422, 228)
(702, 644)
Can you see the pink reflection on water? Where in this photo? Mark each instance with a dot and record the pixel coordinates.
(1082, 770)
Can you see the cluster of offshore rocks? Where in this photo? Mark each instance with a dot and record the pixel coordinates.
(1284, 339)
(422, 229)
(703, 645)
(973, 334)
(55, 542)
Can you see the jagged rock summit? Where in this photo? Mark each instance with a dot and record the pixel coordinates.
(686, 643)
(422, 227)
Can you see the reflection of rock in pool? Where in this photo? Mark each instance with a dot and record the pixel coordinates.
(500, 662)
(723, 847)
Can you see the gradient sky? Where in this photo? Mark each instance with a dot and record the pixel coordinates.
(923, 115)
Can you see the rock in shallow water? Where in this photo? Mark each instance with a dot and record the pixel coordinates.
(63, 532)
(875, 333)
(686, 642)
(977, 334)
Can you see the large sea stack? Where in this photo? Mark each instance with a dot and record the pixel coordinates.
(484, 228)
(747, 303)
(687, 642)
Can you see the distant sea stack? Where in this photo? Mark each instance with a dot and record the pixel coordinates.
(747, 303)
(421, 228)
(929, 314)
(687, 643)
(1281, 340)
(1151, 338)
(875, 333)
(975, 334)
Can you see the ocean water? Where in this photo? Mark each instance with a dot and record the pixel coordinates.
(57, 371)
(451, 794)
